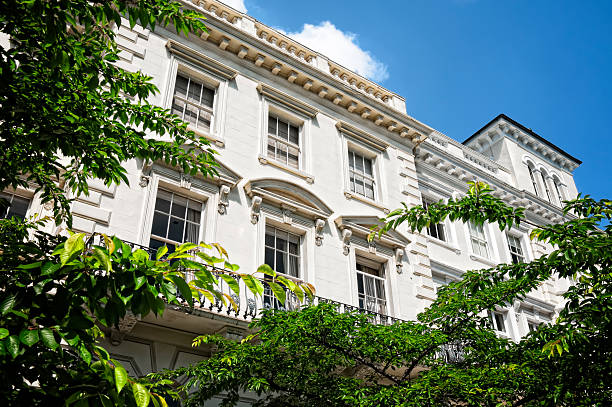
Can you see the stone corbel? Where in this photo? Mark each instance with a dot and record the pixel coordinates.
(346, 241)
(287, 214)
(224, 191)
(255, 209)
(145, 173)
(319, 224)
(372, 247)
(399, 254)
(185, 181)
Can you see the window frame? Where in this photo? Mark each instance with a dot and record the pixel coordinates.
(12, 195)
(354, 173)
(208, 78)
(485, 238)
(426, 201)
(521, 247)
(290, 122)
(382, 267)
(491, 315)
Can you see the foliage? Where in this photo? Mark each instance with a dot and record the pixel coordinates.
(449, 356)
(68, 113)
(63, 291)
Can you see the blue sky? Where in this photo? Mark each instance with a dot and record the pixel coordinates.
(459, 63)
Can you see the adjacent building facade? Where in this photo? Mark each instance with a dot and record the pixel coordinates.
(311, 155)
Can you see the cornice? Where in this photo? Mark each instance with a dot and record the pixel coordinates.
(362, 136)
(236, 33)
(201, 60)
(289, 101)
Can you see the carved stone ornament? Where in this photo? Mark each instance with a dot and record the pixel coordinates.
(287, 215)
(255, 209)
(48, 206)
(145, 173)
(319, 224)
(399, 254)
(186, 181)
(346, 241)
(224, 191)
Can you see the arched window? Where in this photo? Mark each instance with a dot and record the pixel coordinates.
(558, 190)
(533, 179)
(544, 176)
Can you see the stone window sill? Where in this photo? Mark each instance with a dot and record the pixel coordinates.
(351, 195)
(266, 161)
(480, 259)
(214, 138)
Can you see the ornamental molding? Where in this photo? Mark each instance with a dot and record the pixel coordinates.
(247, 39)
(362, 136)
(361, 226)
(202, 61)
(286, 100)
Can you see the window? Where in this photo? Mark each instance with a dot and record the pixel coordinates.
(435, 230)
(283, 141)
(18, 206)
(193, 102)
(533, 180)
(497, 321)
(546, 187)
(282, 254)
(516, 249)
(176, 220)
(361, 174)
(558, 191)
(371, 286)
(532, 326)
(479, 240)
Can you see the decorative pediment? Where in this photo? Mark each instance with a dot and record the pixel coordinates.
(287, 101)
(361, 226)
(362, 136)
(202, 61)
(288, 196)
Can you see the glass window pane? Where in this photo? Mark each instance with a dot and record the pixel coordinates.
(294, 135)
(281, 152)
(292, 158)
(179, 206)
(359, 186)
(192, 233)
(360, 283)
(19, 207)
(351, 157)
(281, 244)
(270, 238)
(160, 224)
(272, 125)
(208, 96)
(283, 130)
(368, 166)
(180, 88)
(178, 106)
(204, 120)
(191, 114)
(195, 91)
(175, 229)
(271, 148)
(194, 211)
(269, 257)
(162, 201)
(293, 266)
(359, 163)
(369, 188)
(281, 262)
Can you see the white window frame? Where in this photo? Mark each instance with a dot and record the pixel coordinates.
(486, 239)
(292, 121)
(384, 270)
(519, 239)
(426, 200)
(217, 83)
(491, 315)
(303, 122)
(12, 195)
(350, 144)
(534, 179)
(352, 156)
(169, 180)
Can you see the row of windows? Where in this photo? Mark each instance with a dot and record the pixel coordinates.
(546, 187)
(478, 239)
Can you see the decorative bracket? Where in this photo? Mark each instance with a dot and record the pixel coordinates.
(346, 241)
(145, 173)
(224, 191)
(255, 209)
(287, 214)
(185, 181)
(399, 253)
(372, 247)
(319, 224)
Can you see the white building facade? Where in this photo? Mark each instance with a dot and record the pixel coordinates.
(311, 156)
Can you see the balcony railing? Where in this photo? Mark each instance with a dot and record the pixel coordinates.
(249, 306)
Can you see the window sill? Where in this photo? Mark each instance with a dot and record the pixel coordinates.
(266, 161)
(480, 259)
(218, 141)
(442, 243)
(352, 195)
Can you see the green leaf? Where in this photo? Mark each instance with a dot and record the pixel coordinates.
(73, 245)
(141, 395)
(278, 291)
(253, 284)
(4, 333)
(121, 376)
(48, 339)
(139, 281)
(265, 269)
(12, 345)
(7, 304)
(85, 353)
(160, 252)
(29, 266)
(183, 288)
(231, 282)
(28, 336)
(103, 258)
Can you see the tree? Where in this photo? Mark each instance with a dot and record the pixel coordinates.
(68, 114)
(449, 355)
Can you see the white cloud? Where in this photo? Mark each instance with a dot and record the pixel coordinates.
(236, 4)
(341, 47)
